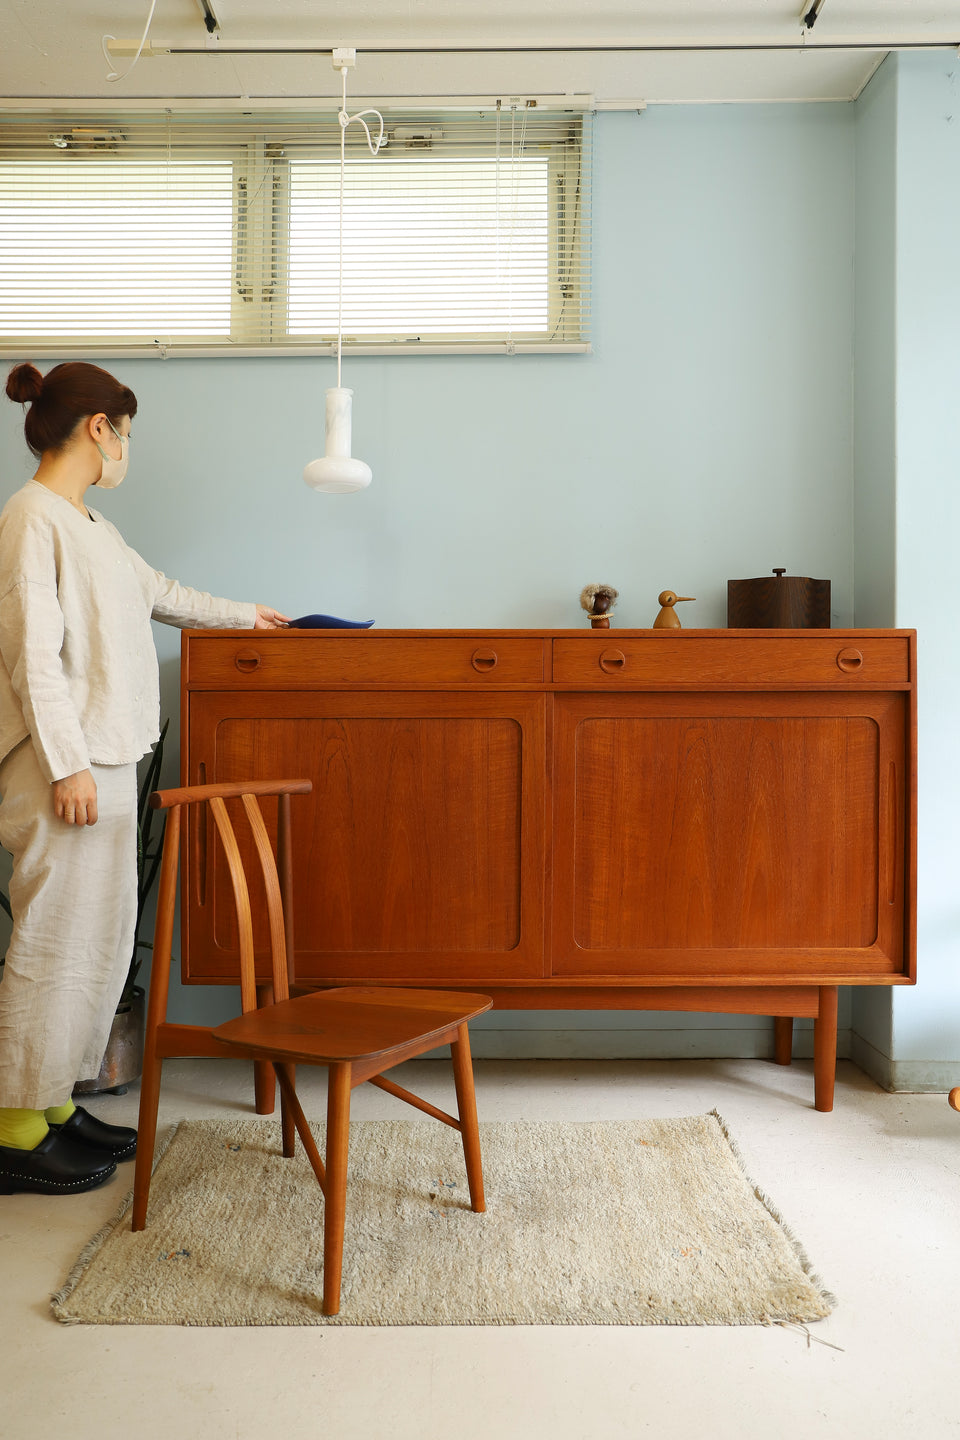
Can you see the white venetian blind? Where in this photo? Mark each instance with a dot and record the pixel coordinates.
(220, 233)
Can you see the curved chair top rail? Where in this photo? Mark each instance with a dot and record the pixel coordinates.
(190, 794)
(276, 871)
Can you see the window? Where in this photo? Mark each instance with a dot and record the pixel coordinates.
(221, 233)
(104, 250)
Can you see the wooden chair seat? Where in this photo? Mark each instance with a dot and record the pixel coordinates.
(331, 1026)
(357, 1033)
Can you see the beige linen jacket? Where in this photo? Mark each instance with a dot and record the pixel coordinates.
(78, 667)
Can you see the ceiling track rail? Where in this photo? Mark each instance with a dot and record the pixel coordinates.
(522, 47)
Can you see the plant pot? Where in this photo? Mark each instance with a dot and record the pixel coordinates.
(123, 1060)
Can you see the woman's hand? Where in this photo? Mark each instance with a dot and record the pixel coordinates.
(268, 619)
(75, 798)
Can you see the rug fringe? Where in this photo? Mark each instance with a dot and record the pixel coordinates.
(773, 1211)
(93, 1245)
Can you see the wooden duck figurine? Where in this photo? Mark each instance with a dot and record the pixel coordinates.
(668, 619)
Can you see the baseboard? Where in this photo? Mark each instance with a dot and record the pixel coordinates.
(908, 1077)
(925, 1077)
(871, 1061)
(735, 1042)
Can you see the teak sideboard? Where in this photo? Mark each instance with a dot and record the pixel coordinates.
(702, 820)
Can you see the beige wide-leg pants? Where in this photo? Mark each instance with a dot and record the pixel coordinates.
(74, 900)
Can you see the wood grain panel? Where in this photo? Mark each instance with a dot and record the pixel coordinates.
(414, 843)
(411, 852)
(694, 835)
(725, 832)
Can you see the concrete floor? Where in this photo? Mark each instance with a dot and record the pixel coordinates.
(871, 1191)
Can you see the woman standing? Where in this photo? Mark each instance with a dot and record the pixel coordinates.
(79, 706)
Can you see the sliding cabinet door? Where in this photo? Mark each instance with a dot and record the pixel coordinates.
(419, 857)
(730, 836)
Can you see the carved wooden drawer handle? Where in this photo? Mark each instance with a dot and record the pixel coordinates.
(612, 660)
(247, 660)
(850, 660)
(484, 660)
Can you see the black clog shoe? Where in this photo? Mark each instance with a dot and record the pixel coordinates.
(116, 1142)
(56, 1166)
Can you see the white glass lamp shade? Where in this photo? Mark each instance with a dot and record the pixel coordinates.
(336, 473)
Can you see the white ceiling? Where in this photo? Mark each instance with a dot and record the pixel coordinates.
(408, 48)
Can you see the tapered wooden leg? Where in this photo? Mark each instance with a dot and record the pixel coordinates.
(264, 1079)
(783, 1039)
(146, 1140)
(264, 1087)
(825, 1048)
(467, 1110)
(303, 1128)
(156, 1015)
(288, 1130)
(335, 1207)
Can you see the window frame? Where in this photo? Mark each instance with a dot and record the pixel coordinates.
(259, 268)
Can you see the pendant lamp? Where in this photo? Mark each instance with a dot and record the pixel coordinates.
(336, 473)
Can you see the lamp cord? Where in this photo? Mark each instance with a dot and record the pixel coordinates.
(374, 146)
(122, 75)
(516, 161)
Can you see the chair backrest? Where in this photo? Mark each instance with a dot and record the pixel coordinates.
(276, 873)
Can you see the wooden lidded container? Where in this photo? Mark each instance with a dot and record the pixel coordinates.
(779, 602)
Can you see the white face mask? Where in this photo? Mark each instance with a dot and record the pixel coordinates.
(112, 471)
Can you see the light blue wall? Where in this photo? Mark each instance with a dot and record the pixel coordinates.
(926, 1022)
(875, 351)
(875, 433)
(709, 436)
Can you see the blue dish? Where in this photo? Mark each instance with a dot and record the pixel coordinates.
(328, 622)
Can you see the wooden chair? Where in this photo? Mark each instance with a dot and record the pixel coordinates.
(355, 1033)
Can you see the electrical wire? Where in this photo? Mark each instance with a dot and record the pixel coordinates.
(114, 74)
(374, 147)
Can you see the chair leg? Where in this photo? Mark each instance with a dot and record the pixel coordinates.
(287, 1126)
(338, 1144)
(146, 1139)
(300, 1121)
(264, 1087)
(264, 1079)
(467, 1110)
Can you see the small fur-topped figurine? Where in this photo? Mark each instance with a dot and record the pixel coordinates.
(598, 601)
(668, 619)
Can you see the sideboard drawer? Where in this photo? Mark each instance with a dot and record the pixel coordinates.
(303, 661)
(663, 659)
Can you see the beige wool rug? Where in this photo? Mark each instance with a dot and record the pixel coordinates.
(650, 1222)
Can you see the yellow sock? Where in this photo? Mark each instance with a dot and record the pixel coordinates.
(22, 1129)
(59, 1114)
